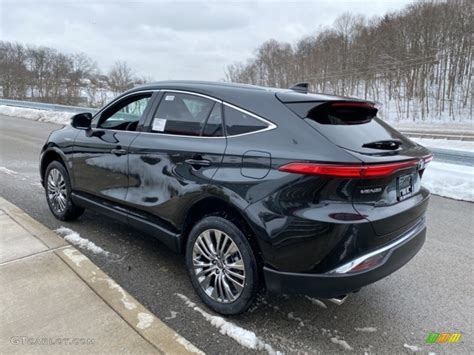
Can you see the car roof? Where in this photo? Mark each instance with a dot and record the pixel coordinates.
(259, 100)
(223, 90)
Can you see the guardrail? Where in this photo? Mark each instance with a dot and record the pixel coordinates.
(438, 134)
(46, 106)
(453, 156)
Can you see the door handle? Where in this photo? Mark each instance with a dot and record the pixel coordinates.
(197, 163)
(118, 151)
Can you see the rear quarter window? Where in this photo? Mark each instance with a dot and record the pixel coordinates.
(239, 122)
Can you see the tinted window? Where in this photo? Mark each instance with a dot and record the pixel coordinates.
(182, 114)
(339, 113)
(348, 125)
(125, 114)
(238, 122)
(213, 126)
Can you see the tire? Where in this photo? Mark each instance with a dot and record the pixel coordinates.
(57, 186)
(228, 297)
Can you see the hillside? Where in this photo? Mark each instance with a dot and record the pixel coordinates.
(416, 62)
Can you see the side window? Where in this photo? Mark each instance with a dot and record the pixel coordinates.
(125, 114)
(213, 126)
(238, 122)
(182, 114)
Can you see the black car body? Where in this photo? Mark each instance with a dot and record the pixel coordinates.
(328, 196)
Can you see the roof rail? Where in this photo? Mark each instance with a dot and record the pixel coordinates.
(300, 87)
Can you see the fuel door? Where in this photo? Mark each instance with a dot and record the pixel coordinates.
(255, 164)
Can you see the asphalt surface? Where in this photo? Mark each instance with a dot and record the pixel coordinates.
(432, 293)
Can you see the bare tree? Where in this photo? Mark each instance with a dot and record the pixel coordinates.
(45, 74)
(14, 74)
(120, 77)
(417, 61)
(83, 71)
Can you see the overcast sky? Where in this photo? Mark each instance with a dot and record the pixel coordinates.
(172, 39)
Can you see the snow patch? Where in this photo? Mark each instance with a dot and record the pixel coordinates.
(413, 348)
(75, 256)
(316, 302)
(83, 243)
(173, 315)
(450, 180)
(342, 343)
(243, 336)
(187, 345)
(366, 329)
(298, 319)
(8, 171)
(144, 320)
(124, 297)
(37, 115)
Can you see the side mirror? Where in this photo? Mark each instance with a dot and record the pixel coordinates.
(82, 120)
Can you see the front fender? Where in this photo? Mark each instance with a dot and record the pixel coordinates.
(49, 153)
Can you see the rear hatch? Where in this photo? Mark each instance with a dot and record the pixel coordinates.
(391, 199)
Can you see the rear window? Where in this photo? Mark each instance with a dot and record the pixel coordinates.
(351, 125)
(338, 113)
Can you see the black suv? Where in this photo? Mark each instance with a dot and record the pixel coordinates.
(295, 191)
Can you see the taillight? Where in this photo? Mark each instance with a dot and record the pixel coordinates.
(349, 171)
(428, 158)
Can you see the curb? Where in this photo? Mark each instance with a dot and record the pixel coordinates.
(151, 328)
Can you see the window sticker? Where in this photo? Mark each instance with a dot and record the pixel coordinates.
(169, 97)
(159, 125)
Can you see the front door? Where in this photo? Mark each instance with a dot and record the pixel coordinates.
(100, 158)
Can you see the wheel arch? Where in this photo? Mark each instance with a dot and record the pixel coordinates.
(49, 155)
(214, 206)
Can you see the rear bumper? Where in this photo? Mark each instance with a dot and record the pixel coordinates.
(341, 280)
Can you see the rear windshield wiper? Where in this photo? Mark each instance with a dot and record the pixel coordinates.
(389, 144)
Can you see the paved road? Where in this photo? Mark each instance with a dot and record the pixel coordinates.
(433, 293)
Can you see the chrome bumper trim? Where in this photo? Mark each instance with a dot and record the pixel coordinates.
(351, 264)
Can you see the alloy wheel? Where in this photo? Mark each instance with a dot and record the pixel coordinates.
(57, 192)
(218, 266)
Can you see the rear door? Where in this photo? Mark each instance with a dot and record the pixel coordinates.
(391, 202)
(172, 163)
(100, 159)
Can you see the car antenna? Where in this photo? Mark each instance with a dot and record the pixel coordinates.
(300, 87)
